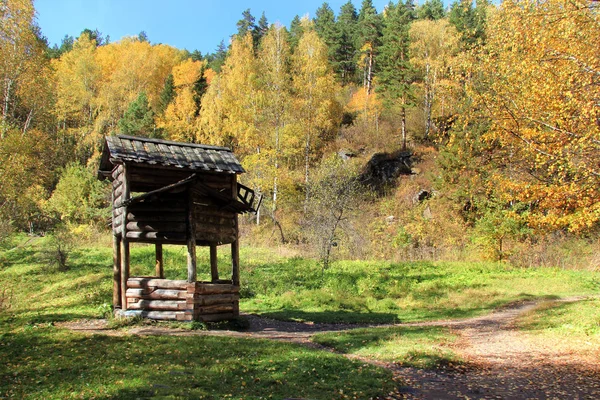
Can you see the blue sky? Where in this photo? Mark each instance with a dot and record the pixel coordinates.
(189, 24)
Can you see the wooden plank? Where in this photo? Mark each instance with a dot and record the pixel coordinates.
(137, 282)
(164, 237)
(148, 208)
(157, 294)
(214, 265)
(157, 227)
(214, 299)
(164, 305)
(158, 315)
(215, 288)
(118, 191)
(116, 272)
(146, 217)
(217, 317)
(205, 230)
(216, 309)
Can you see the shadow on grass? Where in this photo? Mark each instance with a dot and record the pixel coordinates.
(332, 317)
(50, 363)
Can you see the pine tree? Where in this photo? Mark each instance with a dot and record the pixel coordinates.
(469, 21)
(369, 28)
(325, 28)
(138, 120)
(346, 51)
(246, 24)
(296, 31)
(395, 75)
(260, 30)
(431, 9)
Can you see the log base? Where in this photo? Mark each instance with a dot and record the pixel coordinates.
(179, 300)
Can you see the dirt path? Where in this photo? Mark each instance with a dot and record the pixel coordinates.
(502, 363)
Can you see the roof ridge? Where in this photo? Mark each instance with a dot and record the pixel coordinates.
(170, 142)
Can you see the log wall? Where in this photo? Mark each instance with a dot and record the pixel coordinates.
(181, 300)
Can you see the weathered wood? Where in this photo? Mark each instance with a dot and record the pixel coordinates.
(118, 191)
(166, 305)
(210, 219)
(158, 315)
(214, 299)
(165, 237)
(116, 272)
(217, 317)
(156, 226)
(214, 265)
(160, 270)
(166, 188)
(213, 288)
(148, 208)
(117, 171)
(191, 241)
(137, 282)
(124, 271)
(216, 309)
(165, 216)
(206, 229)
(235, 246)
(157, 294)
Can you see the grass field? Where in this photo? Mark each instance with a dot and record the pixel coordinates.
(41, 360)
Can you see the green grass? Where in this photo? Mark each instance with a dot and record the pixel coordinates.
(43, 361)
(421, 347)
(577, 321)
(384, 292)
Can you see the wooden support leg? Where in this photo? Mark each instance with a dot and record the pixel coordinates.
(214, 269)
(235, 263)
(116, 272)
(160, 270)
(124, 272)
(191, 240)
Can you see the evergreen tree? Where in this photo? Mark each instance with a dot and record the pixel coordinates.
(395, 75)
(346, 51)
(260, 30)
(196, 55)
(431, 9)
(246, 24)
(138, 119)
(143, 37)
(325, 28)
(167, 94)
(469, 21)
(296, 31)
(217, 59)
(199, 88)
(369, 31)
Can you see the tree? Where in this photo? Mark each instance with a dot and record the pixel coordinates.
(296, 32)
(168, 94)
(433, 47)
(24, 71)
(431, 9)
(216, 60)
(325, 27)
(369, 28)
(469, 21)
(534, 84)
(395, 75)
(317, 110)
(246, 24)
(345, 49)
(261, 29)
(138, 120)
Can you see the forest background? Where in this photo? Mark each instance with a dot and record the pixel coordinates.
(488, 114)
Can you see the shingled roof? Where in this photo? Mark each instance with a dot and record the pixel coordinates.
(124, 149)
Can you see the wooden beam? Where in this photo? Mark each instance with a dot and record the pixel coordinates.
(235, 246)
(191, 240)
(124, 271)
(116, 272)
(160, 270)
(214, 268)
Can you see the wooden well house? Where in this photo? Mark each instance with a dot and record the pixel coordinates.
(186, 194)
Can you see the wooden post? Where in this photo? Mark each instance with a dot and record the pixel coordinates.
(214, 269)
(116, 272)
(235, 246)
(124, 241)
(191, 239)
(160, 270)
(124, 272)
